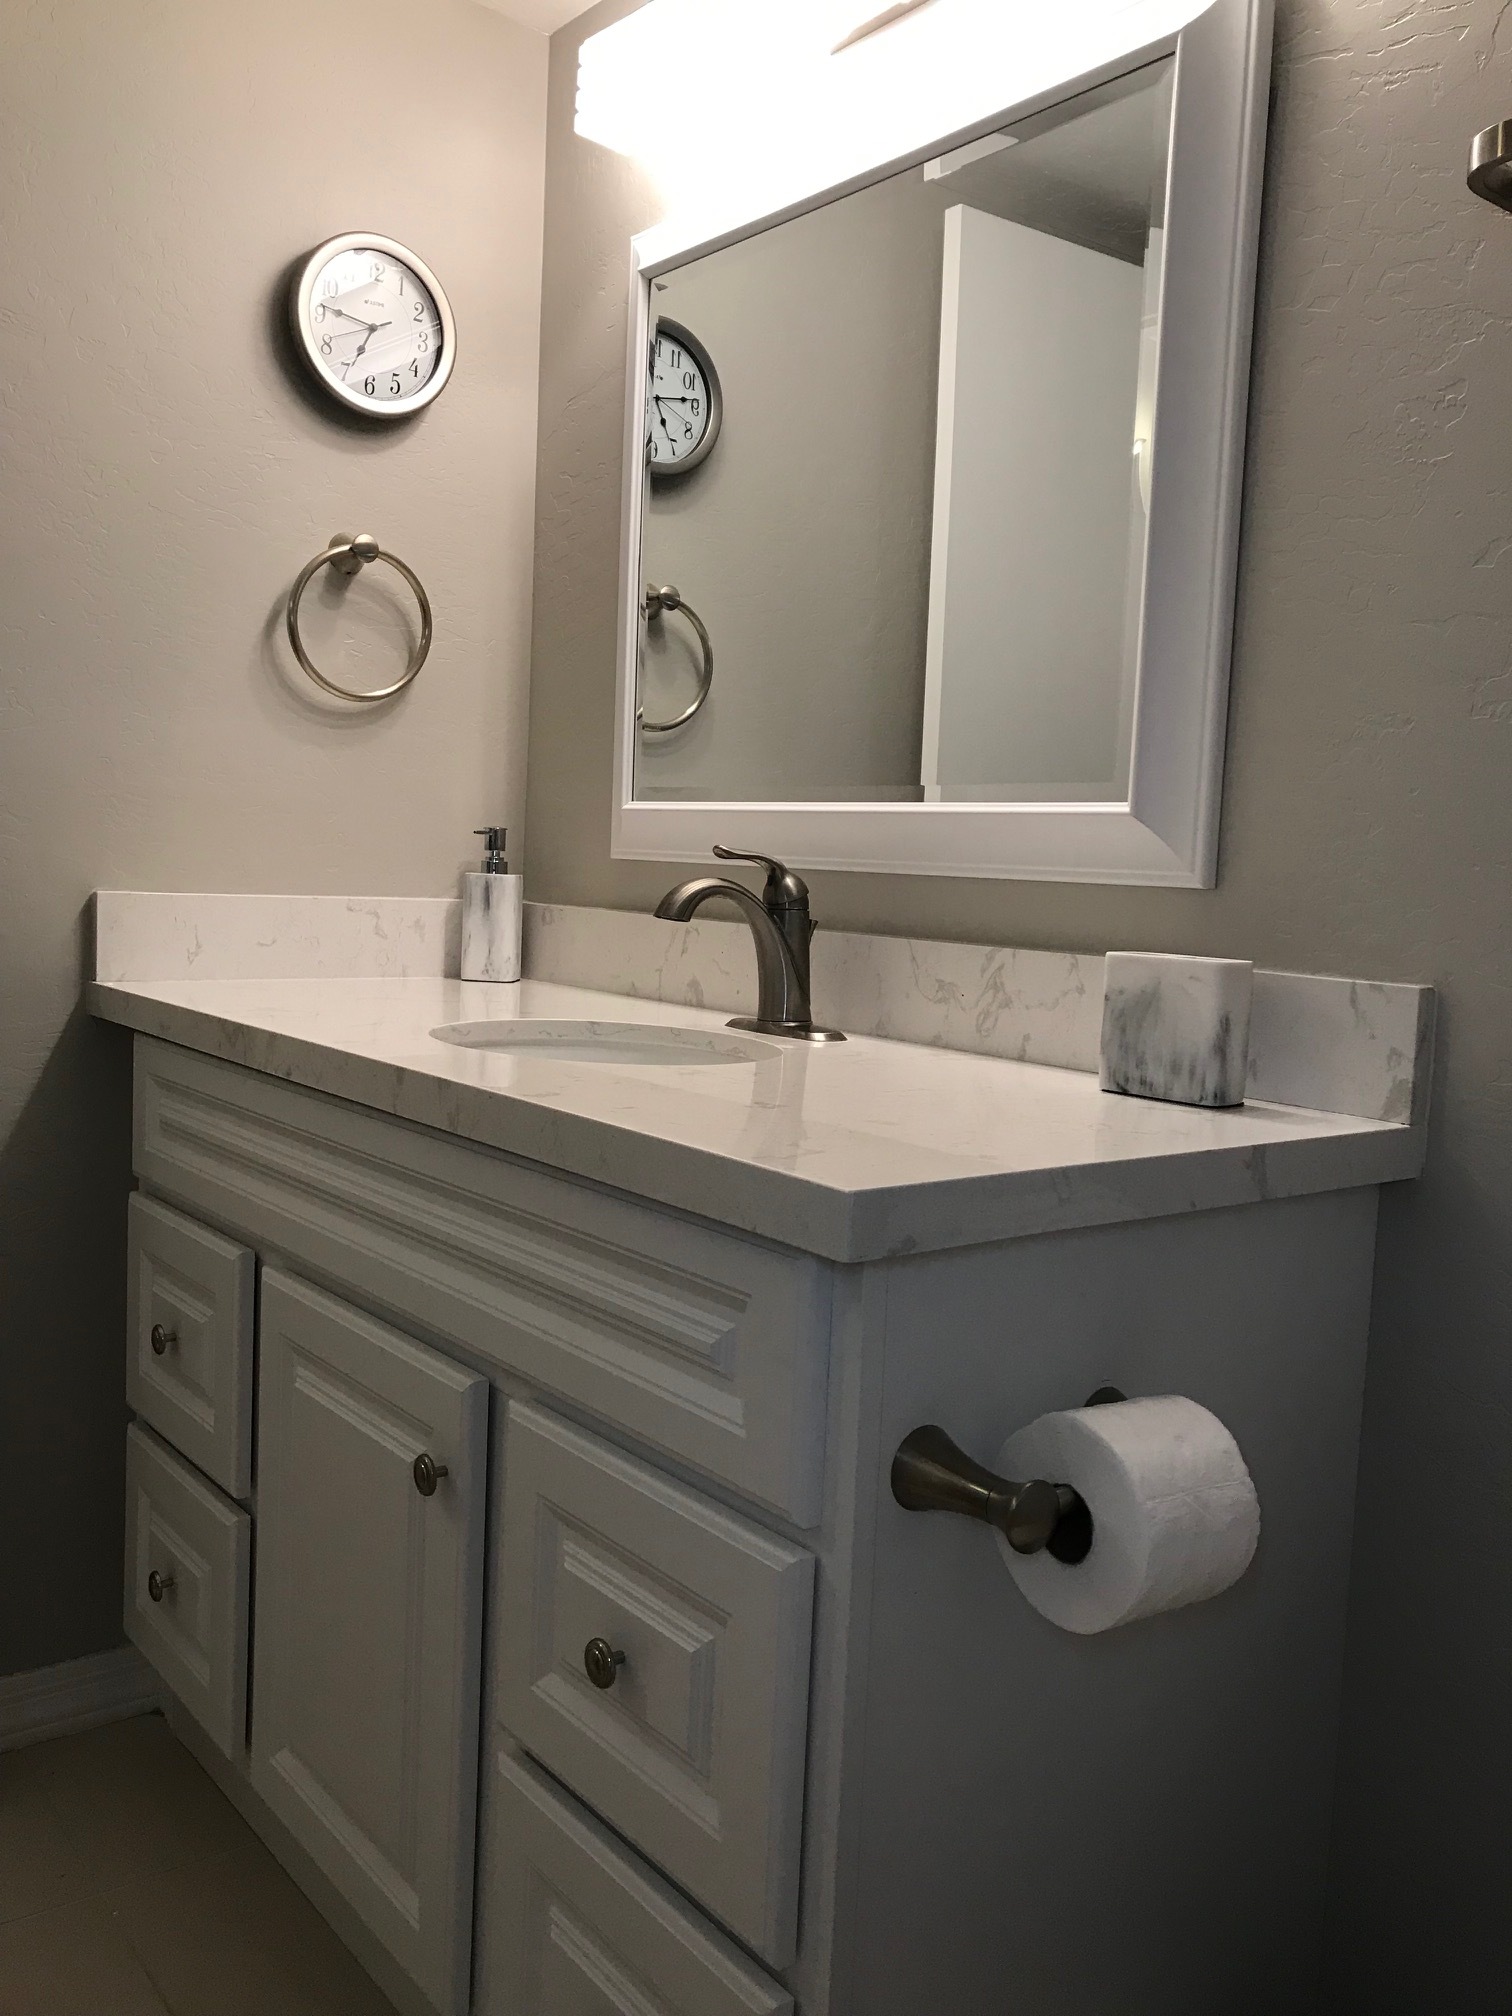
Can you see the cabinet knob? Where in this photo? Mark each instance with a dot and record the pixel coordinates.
(428, 1474)
(601, 1662)
(161, 1339)
(159, 1585)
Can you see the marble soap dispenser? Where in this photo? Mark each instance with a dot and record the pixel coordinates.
(492, 913)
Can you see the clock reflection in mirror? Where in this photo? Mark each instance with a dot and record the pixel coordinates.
(684, 403)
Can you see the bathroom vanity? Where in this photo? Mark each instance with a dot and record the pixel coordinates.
(509, 1510)
(518, 1372)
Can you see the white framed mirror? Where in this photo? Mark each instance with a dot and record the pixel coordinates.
(933, 481)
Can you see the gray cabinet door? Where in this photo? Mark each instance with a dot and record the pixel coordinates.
(367, 1619)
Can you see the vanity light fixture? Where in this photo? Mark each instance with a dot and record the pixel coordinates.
(883, 20)
(730, 56)
(848, 98)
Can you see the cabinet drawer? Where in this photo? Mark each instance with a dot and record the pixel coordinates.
(692, 1339)
(189, 1363)
(187, 1555)
(695, 1748)
(573, 1922)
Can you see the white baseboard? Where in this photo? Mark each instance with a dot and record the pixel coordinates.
(56, 1700)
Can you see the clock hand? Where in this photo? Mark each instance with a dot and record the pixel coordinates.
(372, 330)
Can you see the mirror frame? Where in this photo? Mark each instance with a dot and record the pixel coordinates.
(1166, 831)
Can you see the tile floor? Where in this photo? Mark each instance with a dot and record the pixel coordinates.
(129, 1886)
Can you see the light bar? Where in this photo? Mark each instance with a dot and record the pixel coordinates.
(738, 108)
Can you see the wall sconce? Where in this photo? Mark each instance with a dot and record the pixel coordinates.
(1491, 164)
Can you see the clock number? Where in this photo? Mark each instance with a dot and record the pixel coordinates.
(396, 383)
(688, 431)
(331, 287)
(370, 386)
(656, 451)
(379, 269)
(689, 381)
(325, 346)
(415, 367)
(419, 315)
(697, 408)
(677, 360)
(320, 311)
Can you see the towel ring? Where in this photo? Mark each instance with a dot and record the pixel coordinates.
(350, 556)
(658, 602)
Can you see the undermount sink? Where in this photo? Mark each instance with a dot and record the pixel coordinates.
(638, 1043)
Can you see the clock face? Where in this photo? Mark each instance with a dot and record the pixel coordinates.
(374, 324)
(684, 406)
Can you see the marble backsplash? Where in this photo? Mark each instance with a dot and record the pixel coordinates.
(1362, 1047)
(1337, 1045)
(149, 935)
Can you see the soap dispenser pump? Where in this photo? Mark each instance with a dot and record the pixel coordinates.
(492, 913)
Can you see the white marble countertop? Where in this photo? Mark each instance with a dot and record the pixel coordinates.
(858, 1151)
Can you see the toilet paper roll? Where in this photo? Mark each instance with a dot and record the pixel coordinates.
(1175, 1518)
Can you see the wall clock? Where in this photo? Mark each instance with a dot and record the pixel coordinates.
(684, 404)
(374, 325)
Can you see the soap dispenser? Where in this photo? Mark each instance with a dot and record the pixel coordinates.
(492, 912)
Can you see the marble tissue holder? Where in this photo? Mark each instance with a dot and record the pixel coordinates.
(1176, 1028)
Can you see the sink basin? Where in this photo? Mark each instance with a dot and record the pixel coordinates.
(639, 1043)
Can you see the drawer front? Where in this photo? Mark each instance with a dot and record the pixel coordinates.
(699, 1342)
(189, 1362)
(188, 1551)
(694, 1748)
(572, 1924)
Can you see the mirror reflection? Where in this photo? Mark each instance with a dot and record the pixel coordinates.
(898, 463)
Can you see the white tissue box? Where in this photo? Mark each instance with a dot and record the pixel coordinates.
(1177, 1028)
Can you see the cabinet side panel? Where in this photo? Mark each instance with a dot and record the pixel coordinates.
(1135, 1822)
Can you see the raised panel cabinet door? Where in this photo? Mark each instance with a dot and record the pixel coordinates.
(372, 1452)
(573, 1924)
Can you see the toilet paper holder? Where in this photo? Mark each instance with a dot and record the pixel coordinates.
(932, 1473)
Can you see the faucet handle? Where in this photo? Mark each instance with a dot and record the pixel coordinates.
(784, 890)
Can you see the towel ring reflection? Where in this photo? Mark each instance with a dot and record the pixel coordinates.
(660, 601)
(350, 556)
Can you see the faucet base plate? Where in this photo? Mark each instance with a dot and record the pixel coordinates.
(801, 1032)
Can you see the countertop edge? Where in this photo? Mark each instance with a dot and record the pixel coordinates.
(781, 1207)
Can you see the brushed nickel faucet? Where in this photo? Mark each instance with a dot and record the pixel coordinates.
(782, 930)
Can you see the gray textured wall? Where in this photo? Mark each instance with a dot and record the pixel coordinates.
(1367, 829)
(162, 479)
